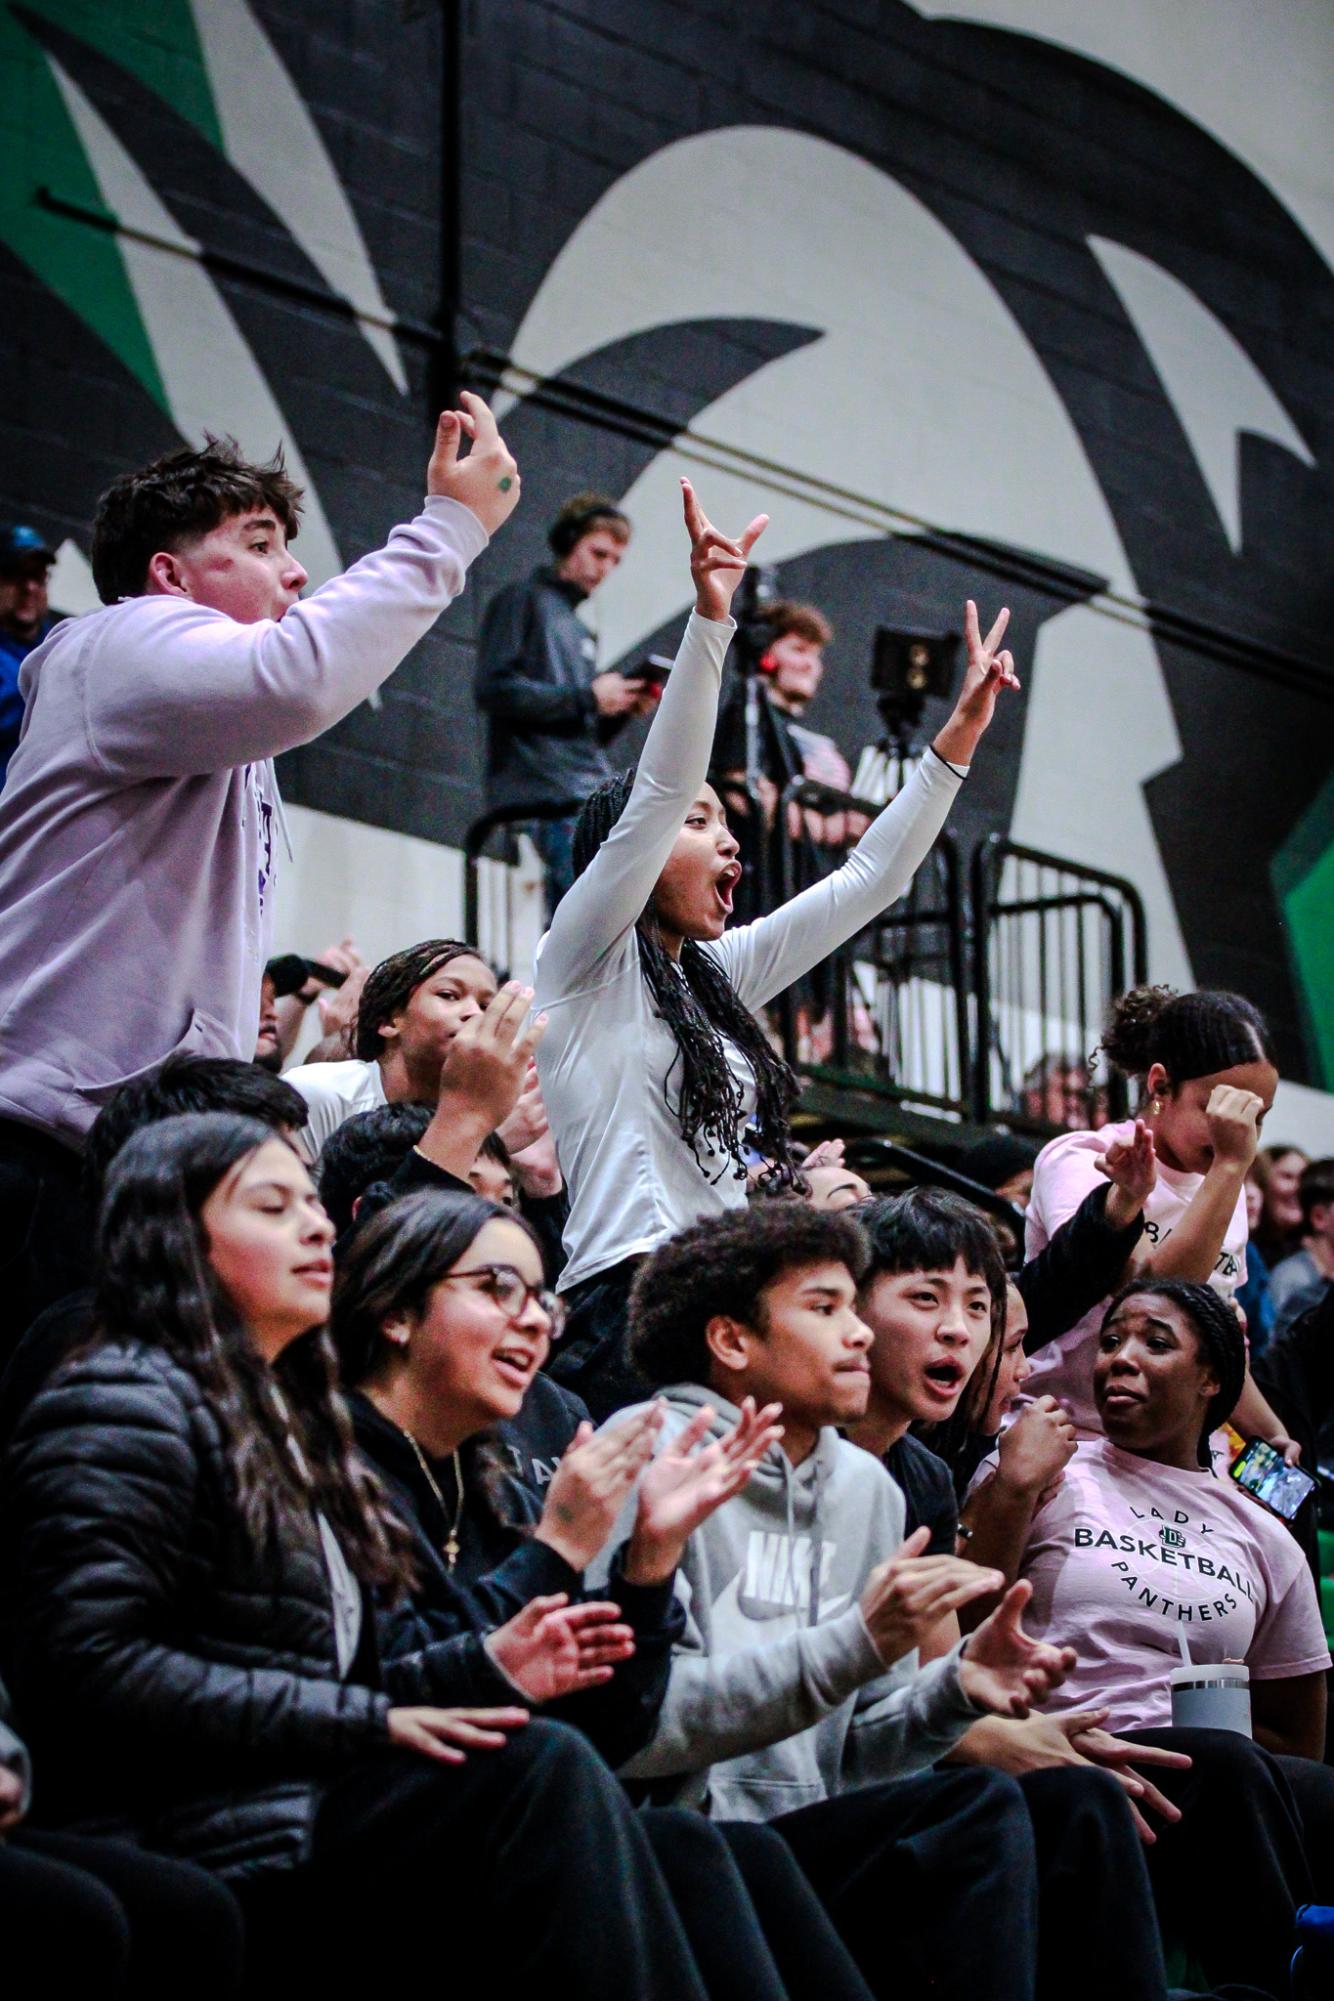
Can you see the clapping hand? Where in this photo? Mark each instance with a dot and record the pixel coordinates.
(1131, 1165)
(1004, 1670)
(717, 563)
(907, 1596)
(589, 1486)
(687, 1480)
(1036, 1449)
(552, 1648)
(490, 1058)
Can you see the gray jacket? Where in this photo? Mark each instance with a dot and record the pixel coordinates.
(777, 1696)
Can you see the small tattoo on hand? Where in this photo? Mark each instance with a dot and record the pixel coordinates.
(505, 484)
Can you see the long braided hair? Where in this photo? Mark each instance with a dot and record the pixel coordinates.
(157, 1288)
(701, 1007)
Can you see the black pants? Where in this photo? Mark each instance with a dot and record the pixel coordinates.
(63, 1921)
(592, 1356)
(931, 1881)
(46, 1227)
(137, 1917)
(1228, 1876)
(1097, 1927)
(523, 1871)
(755, 1925)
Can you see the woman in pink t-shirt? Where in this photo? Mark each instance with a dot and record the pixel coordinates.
(1206, 1064)
(1142, 1543)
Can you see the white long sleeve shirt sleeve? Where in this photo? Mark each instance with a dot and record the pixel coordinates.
(607, 1062)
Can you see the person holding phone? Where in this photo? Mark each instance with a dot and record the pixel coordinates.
(653, 1062)
(550, 713)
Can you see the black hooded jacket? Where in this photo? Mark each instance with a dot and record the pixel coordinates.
(174, 1683)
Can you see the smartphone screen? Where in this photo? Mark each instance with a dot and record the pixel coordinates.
(1276, 1485)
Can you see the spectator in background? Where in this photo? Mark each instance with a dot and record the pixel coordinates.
(550, 713)
(1254, 1296)
(285, 996)
(140, 822)
(25, 562)
(1278, 1169)
(1313, 1263)
(1005, 1165)
(1056, 1092)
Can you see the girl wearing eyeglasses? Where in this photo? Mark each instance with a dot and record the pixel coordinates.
(442, 1321)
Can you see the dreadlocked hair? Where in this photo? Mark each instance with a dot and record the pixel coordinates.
(701, 1007)
(157, 1288)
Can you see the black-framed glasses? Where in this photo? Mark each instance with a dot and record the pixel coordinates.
(512, 1292)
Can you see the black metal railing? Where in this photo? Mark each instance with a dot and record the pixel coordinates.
(491, 882)
(1054, 942)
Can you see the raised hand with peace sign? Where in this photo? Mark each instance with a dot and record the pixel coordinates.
(717, 563)
(988, 671)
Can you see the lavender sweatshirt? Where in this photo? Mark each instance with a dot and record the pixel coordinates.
(138, 822)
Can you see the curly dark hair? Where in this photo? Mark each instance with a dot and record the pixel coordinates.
(188, 1084)
(177, 498)
(1218, 1330)
(724, 1265)
(701, 1007)
(1191, 1035)
(157, 1288)
(393, 983)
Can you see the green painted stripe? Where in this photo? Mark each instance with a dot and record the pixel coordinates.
(1303, 876)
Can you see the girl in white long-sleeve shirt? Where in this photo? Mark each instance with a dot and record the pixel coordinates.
(652, 1063)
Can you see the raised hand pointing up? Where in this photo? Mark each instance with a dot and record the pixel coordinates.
(717, 563)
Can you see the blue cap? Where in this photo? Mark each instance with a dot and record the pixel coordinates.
(18, 542)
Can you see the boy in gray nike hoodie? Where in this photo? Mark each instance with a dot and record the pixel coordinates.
(794, 1695)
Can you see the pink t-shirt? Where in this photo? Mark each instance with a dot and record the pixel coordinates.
(1065, 1173)
(1129, 1554)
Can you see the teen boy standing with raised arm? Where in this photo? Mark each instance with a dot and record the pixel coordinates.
(139, 821)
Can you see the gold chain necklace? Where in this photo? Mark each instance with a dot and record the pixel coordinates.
(450, 1546)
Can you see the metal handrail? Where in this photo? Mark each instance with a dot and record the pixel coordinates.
(480, 832)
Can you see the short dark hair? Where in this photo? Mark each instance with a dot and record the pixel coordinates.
(724, 1265)
(803, 621)
(177, 498)
(393, 983)
(581, 514)
(365, 1149)
(1315, 1189)
(929, 1229)
(188, 1084)
(1191, 1035)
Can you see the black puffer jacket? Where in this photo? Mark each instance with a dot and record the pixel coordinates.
(173, 1684)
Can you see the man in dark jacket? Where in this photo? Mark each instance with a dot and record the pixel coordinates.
(550, 713)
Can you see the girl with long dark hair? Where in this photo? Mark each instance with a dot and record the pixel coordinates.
(653, 1061)
(192, 1551)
